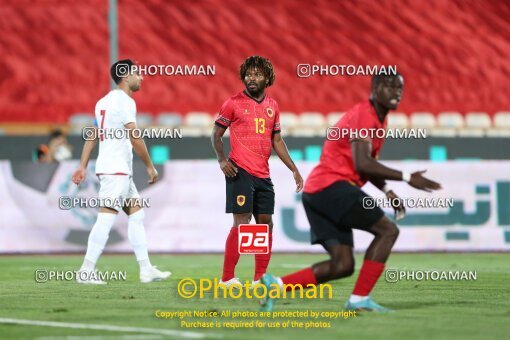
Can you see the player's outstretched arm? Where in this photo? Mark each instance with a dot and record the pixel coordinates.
(88, 147)
(281, 150)
(141, 150)
(367, 166)
(227, 167)
(418, 181)
(379, 183)
(396, 202)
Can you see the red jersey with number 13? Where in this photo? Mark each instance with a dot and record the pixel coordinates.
(252, 125)
(336, 163)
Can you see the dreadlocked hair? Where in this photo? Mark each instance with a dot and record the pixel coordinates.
(262, 64)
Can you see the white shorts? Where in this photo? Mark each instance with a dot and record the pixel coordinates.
(113, 189)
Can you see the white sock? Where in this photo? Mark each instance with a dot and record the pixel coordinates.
(145, 265)
(357, 298)
(136, 235)
(88, 266)
(97, 239)
(280, 283)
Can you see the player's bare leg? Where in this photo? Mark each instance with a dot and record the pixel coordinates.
(262, 260)
(340, 264)
(97, 241)
(385, 234)
(232, 251)
(136, 235)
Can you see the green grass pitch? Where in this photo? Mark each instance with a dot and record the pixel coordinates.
(423, 309)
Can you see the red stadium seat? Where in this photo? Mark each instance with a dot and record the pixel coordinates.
(55, 53)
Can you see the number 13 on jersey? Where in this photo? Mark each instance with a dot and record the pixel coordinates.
(260, 125)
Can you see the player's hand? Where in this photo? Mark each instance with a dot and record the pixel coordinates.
(419, 182)
(398, 205)
(153, 175)
(228, 168)
(299, 181)
(79, 175)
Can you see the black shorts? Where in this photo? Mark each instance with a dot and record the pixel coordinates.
(336, 210)
(249, 194)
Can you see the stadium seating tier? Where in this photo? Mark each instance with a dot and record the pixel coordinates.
(453, 54)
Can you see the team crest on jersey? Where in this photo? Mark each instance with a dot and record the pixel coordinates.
(269, 112)
(241, 199)
(246, 112)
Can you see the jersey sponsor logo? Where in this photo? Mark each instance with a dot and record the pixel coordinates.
(253, 238)
(241, 199)
(269, 112)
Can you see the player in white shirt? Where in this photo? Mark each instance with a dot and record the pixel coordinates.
(114, 166)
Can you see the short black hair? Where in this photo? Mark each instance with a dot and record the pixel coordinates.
(55, 134)
(261, 63)
(119, 71)
(377, 78)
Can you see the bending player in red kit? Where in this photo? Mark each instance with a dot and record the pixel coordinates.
(333, 200)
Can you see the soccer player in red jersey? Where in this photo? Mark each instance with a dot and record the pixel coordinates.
(333, 199)
(254, 121)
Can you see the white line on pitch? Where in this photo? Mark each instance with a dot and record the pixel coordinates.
(103, 337)
(112, 328)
